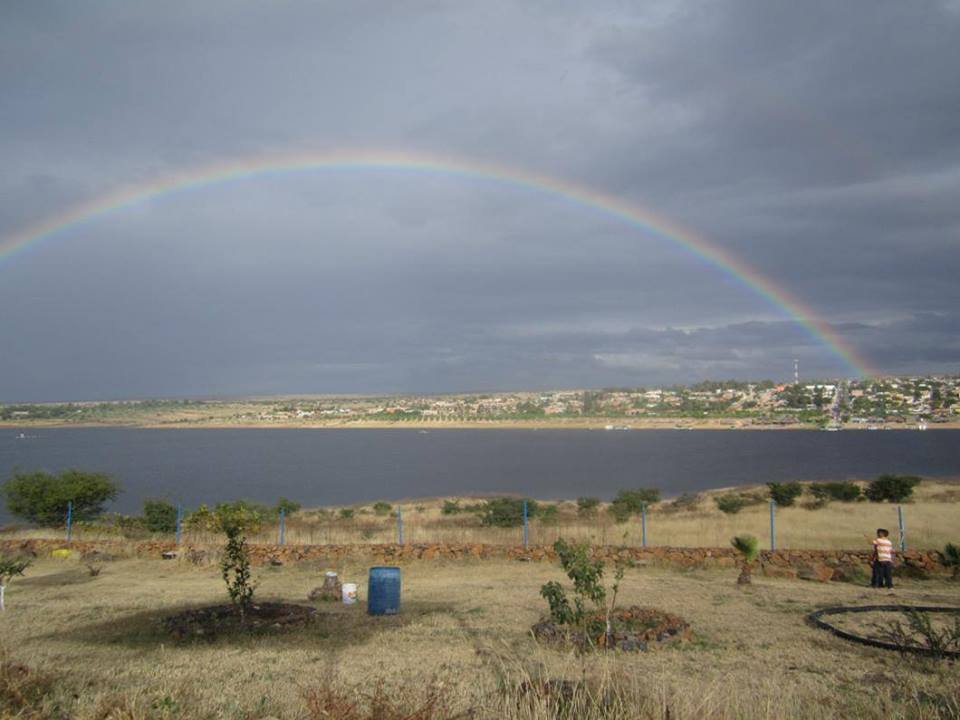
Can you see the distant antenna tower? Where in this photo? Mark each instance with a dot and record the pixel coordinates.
(796, 371)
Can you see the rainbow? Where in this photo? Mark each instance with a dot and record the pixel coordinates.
(640, 218)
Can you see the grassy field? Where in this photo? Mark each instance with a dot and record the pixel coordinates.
(460, 648)
(931, 522)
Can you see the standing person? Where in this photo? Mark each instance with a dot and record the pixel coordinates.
(882, 560)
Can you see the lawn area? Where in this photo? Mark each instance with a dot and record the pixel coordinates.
(95, 648)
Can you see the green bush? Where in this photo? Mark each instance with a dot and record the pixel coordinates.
(159, 516)
(507, 512)
(632, 502)
(451, 507)
(289, 507)
(891, 488)
(42, 498)
(548, 514)
(730, 504)
(784, 494)
(346, 513)
(382, 508)
(587, 505)
(840, 491)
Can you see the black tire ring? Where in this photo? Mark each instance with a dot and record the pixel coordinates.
(815, 618)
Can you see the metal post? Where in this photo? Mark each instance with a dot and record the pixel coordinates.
(526, 526)
(773, 525)
(399, 526)
(903, 533)
(179, 523)
(643, 525)
(69, 520)
(283, 526)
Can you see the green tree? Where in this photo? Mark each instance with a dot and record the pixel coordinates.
(891, 488)
(748, 547)
(159, 516)
(382, 508)
(784, 494)
(42, 498)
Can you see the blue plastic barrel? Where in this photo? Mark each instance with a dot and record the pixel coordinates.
(383, 591)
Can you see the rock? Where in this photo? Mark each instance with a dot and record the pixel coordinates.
(275, 561)
(780, 571)
(817, 572)
(169, 554)
(851, 573)
(197, 557)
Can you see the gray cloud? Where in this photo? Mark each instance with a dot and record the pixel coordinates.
(817, 142)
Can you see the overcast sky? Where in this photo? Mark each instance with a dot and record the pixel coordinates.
(817, 141)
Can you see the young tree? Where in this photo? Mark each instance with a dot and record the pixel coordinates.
(748, 547)
(235, 520)
(42, 498)
(9, 569)
(891, 488)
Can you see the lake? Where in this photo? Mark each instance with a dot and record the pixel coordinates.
(340, 466)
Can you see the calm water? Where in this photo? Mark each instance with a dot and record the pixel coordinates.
(346, 466)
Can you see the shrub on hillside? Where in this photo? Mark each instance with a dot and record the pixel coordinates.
(840, 491)
(507, 512)
(784, 494)
(451, 507)
(42, 498)
(587, 505)
(159, 516)
(548, 514)
(346, 513)
(891, 488)
(382, 508)
(730, 504)
(632, 502)
(686, 501)
(289, 507)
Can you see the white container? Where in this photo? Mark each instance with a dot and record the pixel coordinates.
(349, 593)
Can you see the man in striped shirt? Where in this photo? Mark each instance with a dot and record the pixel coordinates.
(882, 560)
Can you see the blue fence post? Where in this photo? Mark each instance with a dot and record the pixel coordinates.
(179, 523)
(399, 526)
(903, 533)
(643, 525)
(526, 526)
(773, 524)
(69, 520)
(283, 526)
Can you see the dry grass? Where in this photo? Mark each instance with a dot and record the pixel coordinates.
(931, 522)
(460, 648)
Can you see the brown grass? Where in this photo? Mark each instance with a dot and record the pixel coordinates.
(931, 522)
(461, 647)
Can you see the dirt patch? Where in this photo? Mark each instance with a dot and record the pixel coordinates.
(632, 629)
(215, 620)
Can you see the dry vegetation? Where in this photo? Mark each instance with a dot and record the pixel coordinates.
(80, 646)
(931, 522)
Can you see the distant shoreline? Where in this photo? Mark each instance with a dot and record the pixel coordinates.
(606, 424)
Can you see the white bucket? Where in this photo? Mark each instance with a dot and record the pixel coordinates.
(349, 593)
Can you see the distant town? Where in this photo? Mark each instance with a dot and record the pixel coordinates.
(892, 402)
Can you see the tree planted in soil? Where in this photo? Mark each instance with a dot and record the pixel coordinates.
(235, 520)
(586, 574)
(748, 547)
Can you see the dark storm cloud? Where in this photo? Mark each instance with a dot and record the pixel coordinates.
(818, 142)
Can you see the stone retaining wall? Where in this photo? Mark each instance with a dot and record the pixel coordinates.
(821, 565)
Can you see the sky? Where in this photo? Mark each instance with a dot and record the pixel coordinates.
(816, 142)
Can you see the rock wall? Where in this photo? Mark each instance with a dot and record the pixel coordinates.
(819, 565)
